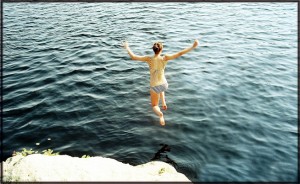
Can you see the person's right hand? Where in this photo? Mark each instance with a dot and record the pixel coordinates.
(125, 44)
(196, 42)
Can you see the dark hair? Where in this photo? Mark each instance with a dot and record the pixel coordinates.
(157, 47)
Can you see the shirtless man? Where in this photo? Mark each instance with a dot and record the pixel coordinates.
(158, 82)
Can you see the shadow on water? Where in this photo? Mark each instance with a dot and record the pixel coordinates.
(189, 170)
(162, 156)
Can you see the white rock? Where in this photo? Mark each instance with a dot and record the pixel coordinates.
(39, 167)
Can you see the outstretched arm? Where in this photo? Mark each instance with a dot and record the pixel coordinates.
(132, 55)
(180, 53)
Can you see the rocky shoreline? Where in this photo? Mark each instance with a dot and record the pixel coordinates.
(44, 168)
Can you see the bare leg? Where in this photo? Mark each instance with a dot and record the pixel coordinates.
(163, 101)
(156, 109)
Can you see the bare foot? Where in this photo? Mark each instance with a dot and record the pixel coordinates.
(157, 111)
(162, 121)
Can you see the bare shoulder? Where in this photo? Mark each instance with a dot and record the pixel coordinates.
(166, 57)
(143, 58)
(147, 58)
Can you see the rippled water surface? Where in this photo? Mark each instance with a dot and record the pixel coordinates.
(232, 102)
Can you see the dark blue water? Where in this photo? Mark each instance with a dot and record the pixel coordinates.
(232, 102)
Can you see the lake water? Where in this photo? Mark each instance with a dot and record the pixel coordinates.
(68, 85)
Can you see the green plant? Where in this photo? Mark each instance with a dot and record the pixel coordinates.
(162, 170)
(26, 152)
(49, 152)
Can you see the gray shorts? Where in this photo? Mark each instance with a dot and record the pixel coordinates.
(160, 88)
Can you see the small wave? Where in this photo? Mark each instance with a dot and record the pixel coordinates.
(122, 70)
(100, 69)
(25, 109)
(87, 35)
(76, 72)
(83, 84)
(51, 49)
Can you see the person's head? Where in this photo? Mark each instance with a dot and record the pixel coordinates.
(157, 47)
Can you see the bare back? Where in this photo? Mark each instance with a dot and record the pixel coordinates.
(157, 66)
